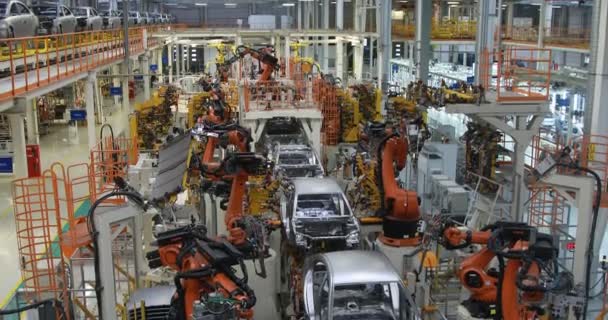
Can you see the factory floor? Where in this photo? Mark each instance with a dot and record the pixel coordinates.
(54, 147)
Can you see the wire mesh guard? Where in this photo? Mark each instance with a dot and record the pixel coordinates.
(37, 219)
(110, 159)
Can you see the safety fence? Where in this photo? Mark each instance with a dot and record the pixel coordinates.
(38, 221)
(517, 74)
(33, 62)
(50, 228)
(110, 159)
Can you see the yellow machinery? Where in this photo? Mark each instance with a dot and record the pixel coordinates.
(301, 64)
(153, 118)
(364, 105)
(197, 107)
(260, 195)
(366, 196)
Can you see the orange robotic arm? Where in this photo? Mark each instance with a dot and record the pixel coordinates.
(402, 214)
(204, 268)
(268, 61)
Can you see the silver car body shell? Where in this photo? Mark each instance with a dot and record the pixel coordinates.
(114, 19)
(63, 21)
(314, 186)
(311, 163)
(352, 267)
(94, 21)
(23, 24)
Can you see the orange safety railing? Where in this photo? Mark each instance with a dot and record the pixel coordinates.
(523, 74)
(78, 187)
(34, 62)
(592, 152)
(111, 158)
(37, 219)
(326, 96)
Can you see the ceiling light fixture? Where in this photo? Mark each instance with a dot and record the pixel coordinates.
(200, 4)
(289, 4)
(230, 5)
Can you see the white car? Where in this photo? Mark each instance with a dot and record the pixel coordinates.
(88, 18)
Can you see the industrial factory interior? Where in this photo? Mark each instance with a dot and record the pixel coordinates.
(303, 160)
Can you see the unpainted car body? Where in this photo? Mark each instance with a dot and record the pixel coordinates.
(281, 131)
(297, 161)
(355, 285)
(145, 18)
(135, 18)
(88, 18)
(17, 20)
(55, 19)
(111, 19)
(316, 214)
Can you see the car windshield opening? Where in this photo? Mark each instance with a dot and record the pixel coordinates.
(321, 205)
(369, 301)
(45, 11)
(79, 11)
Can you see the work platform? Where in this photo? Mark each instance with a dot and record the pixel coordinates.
(38, 65)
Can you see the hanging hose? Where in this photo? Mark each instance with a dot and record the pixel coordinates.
(93, 231)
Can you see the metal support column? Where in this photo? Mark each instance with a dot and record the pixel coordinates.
(287, 55)
(126, 70)
(178, 61)
(18, 138)
(510, 13)
(145, 69)
(486, 22)
(31, 117)
(90, 106)
(340, 59)
(596, 111)
(424, 12)
(386, 41)
(325, 62)
(170, 61)
(159, 65)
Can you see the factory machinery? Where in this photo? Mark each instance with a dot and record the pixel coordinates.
(227, 217)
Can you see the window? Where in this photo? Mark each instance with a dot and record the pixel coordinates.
(15, 11)
(94, 12)
(321, 205)
(67, 11)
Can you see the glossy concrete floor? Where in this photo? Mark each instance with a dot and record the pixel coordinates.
(54, 147)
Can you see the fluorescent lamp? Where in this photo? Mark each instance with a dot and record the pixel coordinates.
(453, 2)
(170, 4)
(231, 5)
(306, 0)
(289, 4)
(200, 4)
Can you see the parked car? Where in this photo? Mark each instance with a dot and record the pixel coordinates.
(165, 18)
(316, 214)
(355, 285)
(135, 18)
(17, 20)
(156, 18)
(55, 18)
(145, 18)
(88, 18)
(111, 19)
